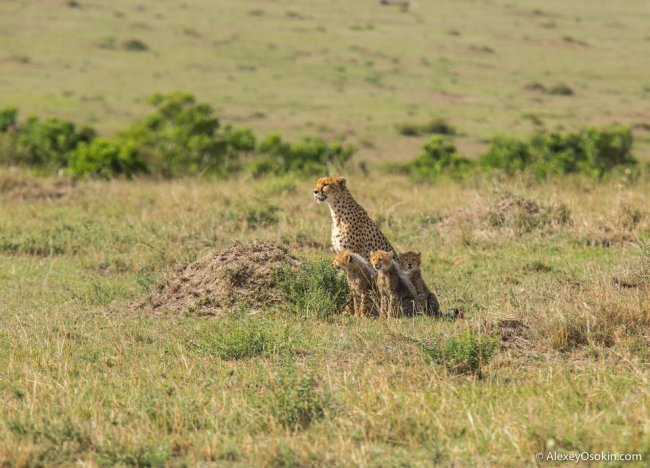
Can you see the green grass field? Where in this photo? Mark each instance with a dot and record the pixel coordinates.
(336, 68)
(553, 276)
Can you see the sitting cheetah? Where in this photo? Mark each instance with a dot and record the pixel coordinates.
(427, 300)
(397, 294)
(361, 279)
(411, 263)
(352, 228)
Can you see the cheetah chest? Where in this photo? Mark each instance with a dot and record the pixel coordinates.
(342, 237)
(387, 282)
(359, 282)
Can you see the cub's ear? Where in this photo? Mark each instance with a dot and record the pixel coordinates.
(391, 254)
(348, 256)
(341, 181)
(419, 255)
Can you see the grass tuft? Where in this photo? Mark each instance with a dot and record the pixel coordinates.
(296, 400)
(315, 290)
(239, 338)
(460, 354)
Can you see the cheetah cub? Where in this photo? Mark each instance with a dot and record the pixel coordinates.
(427, 301)
(396, 292)
(361, 279)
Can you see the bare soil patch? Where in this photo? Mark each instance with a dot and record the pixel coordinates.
(241, 275)
(513, 334)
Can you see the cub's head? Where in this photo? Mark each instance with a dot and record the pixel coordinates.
(410, 261)
(329, 187)
(381, 260)
(342, 259)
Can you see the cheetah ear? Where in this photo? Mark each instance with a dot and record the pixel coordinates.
(348, 256)
(419, 255)
(341, 181)
(391, 254)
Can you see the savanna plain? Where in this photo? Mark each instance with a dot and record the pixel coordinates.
(551, 271)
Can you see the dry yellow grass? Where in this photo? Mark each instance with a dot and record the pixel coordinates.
(84, 380)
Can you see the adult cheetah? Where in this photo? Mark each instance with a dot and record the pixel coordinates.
(352, 228)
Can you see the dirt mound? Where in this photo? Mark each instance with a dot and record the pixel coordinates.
(512, 333)
(239, 275)
(507, 214)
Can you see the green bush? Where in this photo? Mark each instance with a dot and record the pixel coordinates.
(310, 155)
(104, 158)
(48, 143)
(183, 137)
(560, 89)
(238, 139)
(315, 290)
(464, 354)
(8, 118)
(438, 157)
(508, 154)
(435, 126)
(135, 45)
(592, 151)
(180, 137)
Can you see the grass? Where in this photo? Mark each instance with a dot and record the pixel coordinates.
(405, 68)
(83, 378)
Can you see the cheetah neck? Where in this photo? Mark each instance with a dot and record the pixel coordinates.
(414, 275)
(416, 278)
(344, 203)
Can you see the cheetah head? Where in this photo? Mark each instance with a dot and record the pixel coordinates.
(410, 261)
(342, 259)
(328, 187)
(381, 260)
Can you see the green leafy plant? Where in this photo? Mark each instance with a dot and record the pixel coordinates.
(104, 158)
(183, 137)
(463, 354)
(8, 118)
(436, 126)
(592, 151)
(310, 155)
(135, 45)
(48, 143)
(295, 400)
(508, 154)
(236, 338)
(438, 157)
(314, 290)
